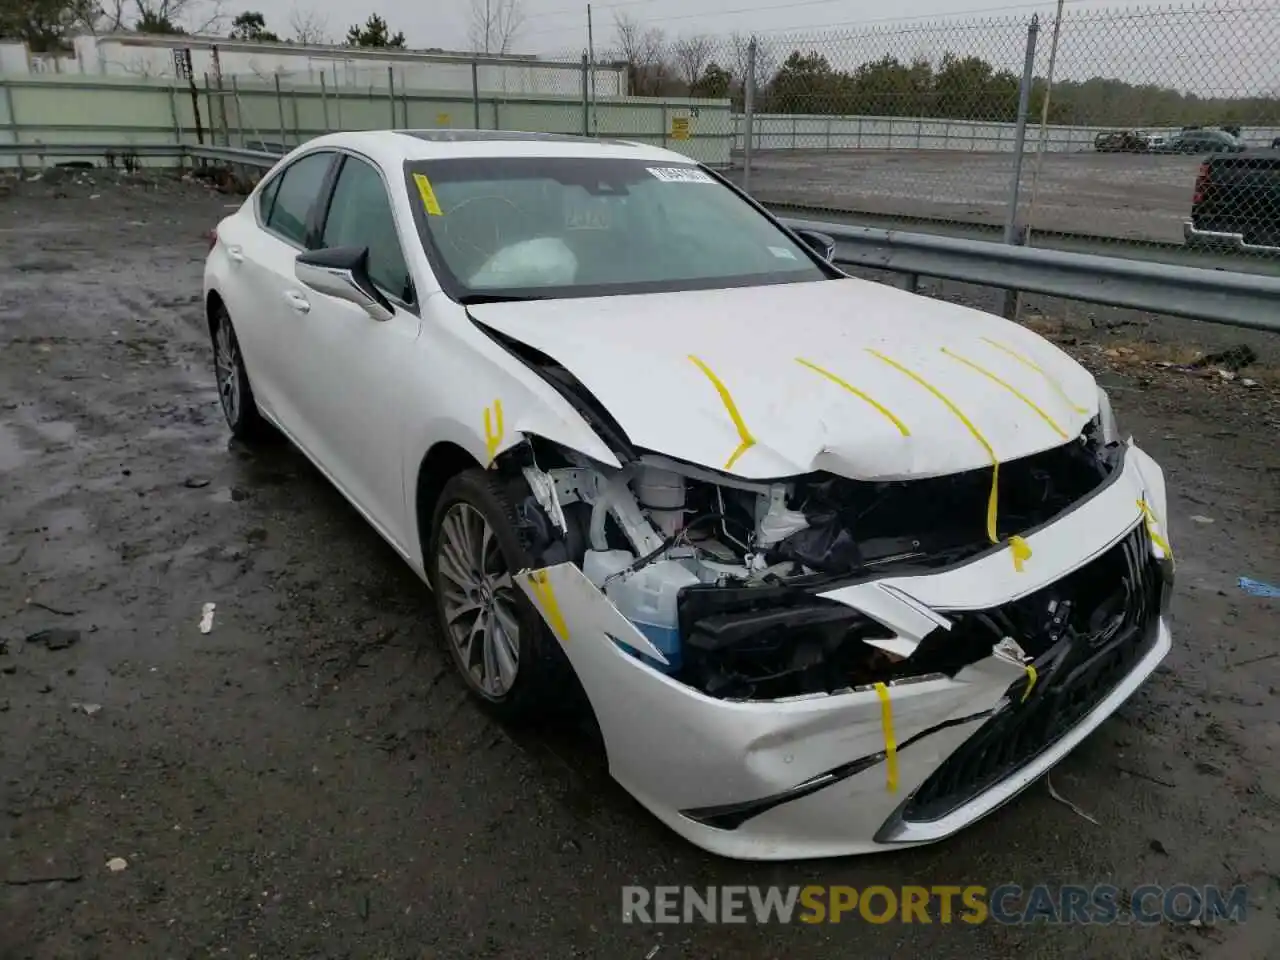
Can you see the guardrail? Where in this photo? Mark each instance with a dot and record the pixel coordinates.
(1217, 296)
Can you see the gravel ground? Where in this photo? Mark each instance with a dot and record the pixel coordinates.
(1116, 195)
(309, 780)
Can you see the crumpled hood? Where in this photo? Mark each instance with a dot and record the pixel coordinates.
(846, 376)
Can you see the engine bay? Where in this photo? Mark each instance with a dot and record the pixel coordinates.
(720, 574)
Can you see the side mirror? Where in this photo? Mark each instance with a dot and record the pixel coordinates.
(343, 273)
(819, 243)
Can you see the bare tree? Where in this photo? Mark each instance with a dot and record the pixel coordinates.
(494, 25)
(308, 26)
(691, 55)
(644, 52)
(157, 16)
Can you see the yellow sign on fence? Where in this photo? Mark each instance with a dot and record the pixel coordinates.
(442, 119)
(679, 128)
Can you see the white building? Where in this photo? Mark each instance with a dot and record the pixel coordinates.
(145, 55)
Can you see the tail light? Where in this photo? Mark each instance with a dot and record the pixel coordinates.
(1202, 183)
(212, 237)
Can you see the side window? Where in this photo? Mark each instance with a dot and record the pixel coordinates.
(360, 216)
(268, 196)
(299, 187)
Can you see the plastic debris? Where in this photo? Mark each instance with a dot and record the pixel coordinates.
(1067, 803)
(1256, 588)
(89, 708)
(206, 617)
(1200, 518)
(116, 864)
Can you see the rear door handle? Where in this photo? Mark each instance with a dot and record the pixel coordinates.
(298, 301)
(236, 254)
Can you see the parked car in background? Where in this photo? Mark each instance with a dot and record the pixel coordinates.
(1121, 141)
(1237, 202)
(1202, 141)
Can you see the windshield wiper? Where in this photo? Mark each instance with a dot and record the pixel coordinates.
(474, 299)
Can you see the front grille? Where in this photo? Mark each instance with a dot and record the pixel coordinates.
(1074, 674)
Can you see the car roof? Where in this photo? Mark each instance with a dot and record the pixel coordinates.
(394, 147)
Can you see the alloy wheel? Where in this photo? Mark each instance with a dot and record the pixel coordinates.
(479, 600)
(226, 364)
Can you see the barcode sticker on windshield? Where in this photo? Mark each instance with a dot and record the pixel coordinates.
(680, 175)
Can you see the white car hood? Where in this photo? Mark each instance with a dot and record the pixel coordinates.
(636, 354)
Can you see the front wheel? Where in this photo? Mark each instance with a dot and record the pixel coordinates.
(234, 392)
(506, 655)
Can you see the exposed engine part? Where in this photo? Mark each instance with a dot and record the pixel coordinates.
(719, 578)
(778, 521)
(661, 493)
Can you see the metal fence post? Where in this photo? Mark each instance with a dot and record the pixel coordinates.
(475, 94)
(1019, 146)
(13, 121)
(748, 114)
(1020, 130)
(586, 100)
(280, 111)
(324, 100)
(391, 93)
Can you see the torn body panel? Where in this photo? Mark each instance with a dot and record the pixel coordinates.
(768, 780)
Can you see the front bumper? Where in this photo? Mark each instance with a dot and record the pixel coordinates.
(812, 776)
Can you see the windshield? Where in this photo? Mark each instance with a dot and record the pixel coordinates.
(547, 227)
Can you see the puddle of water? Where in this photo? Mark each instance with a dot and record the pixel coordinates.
(12, 453)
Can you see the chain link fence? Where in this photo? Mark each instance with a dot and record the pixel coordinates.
(1143, 129)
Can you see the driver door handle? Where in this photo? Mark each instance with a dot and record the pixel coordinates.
(298, 301)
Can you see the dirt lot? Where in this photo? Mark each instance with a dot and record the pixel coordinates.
(309, 780)
(1125, 196)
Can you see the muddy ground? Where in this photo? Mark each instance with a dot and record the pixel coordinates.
(308, 779)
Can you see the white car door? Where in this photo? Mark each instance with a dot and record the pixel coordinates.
(268, 306)
(353, 393)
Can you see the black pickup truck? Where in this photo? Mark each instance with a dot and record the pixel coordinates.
(1236, 204)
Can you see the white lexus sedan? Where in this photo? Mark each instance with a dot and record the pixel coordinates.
(839, 568)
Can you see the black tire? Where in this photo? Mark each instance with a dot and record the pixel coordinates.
(545, 686)
(234, 395)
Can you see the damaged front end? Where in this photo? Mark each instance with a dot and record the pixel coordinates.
(820, 666)
(725, 578)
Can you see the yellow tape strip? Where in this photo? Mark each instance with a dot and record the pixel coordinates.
(550, 608)
(890, 743)
(977, 435)
(744, 434)
(492, 438)
(1030, 364)
(1032, 676)
(1021, 551)
(429, 201)
(902, 427)
(1150, 518)
(1012, 389)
